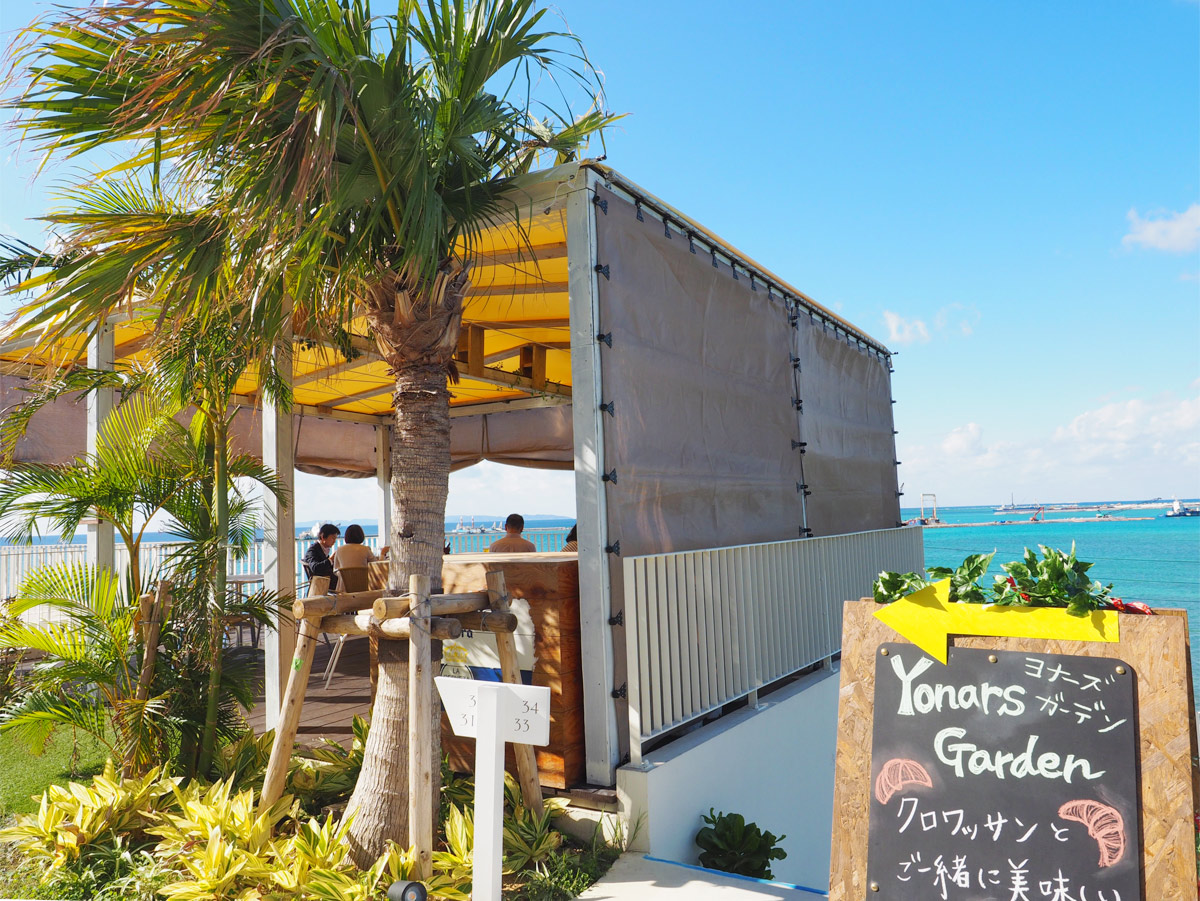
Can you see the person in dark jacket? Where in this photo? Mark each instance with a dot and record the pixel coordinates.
(317, 559)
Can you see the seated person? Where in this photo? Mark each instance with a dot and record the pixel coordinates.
(353, 552)
(316, 560)
(572, 544)
(512, 542)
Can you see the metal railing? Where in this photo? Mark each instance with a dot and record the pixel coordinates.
(704, 628)
(16, 561)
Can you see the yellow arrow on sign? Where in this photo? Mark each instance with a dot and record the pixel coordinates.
(927, 619)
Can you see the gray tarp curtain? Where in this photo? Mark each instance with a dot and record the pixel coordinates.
(701, 377)
(58, 434)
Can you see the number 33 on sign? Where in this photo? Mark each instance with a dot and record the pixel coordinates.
(523, 716)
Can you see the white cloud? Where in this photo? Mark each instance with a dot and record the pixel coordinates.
(960, 317)
(964, 441)
(1172, 232)
(1190, 276)
(905, 331)
(1135, 448)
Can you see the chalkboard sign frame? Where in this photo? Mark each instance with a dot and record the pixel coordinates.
(1156, 646)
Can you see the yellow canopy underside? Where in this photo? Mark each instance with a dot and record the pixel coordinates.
(516, 310)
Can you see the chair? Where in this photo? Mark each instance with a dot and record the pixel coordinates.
(350, 579)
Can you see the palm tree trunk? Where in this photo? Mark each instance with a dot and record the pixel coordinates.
(420, 482)
(217, 628)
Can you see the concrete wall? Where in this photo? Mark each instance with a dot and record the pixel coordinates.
(773, 765)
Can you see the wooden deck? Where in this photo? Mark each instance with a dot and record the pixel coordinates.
(329, 714)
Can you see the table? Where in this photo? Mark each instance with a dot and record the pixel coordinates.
(239, 584)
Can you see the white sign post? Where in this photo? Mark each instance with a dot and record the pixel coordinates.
(493, 713)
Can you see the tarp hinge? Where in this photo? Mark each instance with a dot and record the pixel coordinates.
(637, 206)
(610, 408)
(691, 242)
(801, 446)
(793, 319)
(798, 404)
(733, 269)
(894, 432)
(801, 488)
(605, 338)
(614, 548)
(795, 361)
(805, 532)
(753, 287)
(714, 259)
(610, 476)
(618, 620)
(667, 228)
(620, 691)
(603, 204)
(895, 462)
(603, 270)
(893, 400)
(899, 494)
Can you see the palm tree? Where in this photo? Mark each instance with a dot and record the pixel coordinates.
(344, 163)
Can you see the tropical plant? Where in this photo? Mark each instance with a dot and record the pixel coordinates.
(731, 844)
(140, 464)
(326, 162)
(87, 678)
(1056, 579)
(81, 821)
(964, 581)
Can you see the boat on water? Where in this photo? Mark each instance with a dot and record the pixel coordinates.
(1178, 509)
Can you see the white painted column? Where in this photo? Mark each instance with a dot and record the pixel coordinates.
(596, 638)
(383, 478)
(101, 541)
(279, 548)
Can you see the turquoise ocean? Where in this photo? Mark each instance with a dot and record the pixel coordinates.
(1154, 560)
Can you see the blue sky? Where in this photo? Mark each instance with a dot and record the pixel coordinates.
(1006, 194)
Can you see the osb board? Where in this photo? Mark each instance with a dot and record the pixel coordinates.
(529, 576)
(550, 583)
(1156, 648)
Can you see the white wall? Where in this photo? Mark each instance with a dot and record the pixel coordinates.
(773, 765)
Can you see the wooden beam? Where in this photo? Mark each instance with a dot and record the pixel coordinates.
(479, 408)
(475, 352)
(420, 727)
(325, 412)
(443, 628)
(510, 325)
(501, 356)
(542, 253)
(366, 358)
(515, 290)
(293, 705)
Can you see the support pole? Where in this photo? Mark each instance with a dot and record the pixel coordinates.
(101, 540)
(420, 724)
(279, 549)
(293, 705)
(383, 478)
(510, 672)
(595, 597)
(489, 798)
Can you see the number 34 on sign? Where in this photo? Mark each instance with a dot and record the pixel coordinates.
(523, 717)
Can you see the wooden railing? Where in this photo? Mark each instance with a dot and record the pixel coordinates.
(704, 628)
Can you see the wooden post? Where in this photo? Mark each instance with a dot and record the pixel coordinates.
(154, 614)
(420, 720)
(510, 671)
(293, 702)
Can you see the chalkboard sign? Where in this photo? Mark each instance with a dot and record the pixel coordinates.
(1003, 775)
